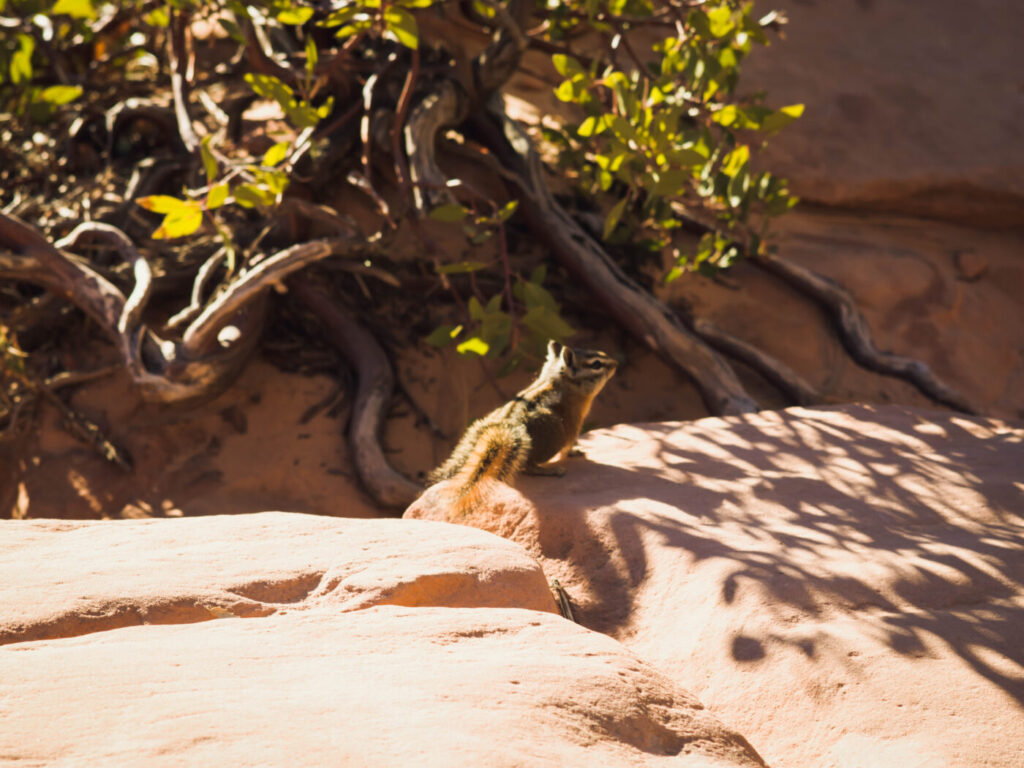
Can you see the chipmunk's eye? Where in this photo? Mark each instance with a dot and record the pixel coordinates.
(597, 365)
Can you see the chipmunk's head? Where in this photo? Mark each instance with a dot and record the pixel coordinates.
(585, 369)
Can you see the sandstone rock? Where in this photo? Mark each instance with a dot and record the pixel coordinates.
(904, 277)
(60, 579)
(898, 114)
(845, 585)
(324, 671)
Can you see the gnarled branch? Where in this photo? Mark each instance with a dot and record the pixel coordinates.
(164, 370)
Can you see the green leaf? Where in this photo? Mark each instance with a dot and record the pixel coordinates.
(270, 87)
(720, 21)
(276, 153)
(782, 117)
(76, 9)
(415, 3)
(275, 181)
(400, 23)
(161, 203)
(443, 335)
(535, 295)
(623, 129)
(295, 16)
(592, 126)
(311, 55)
(180, 222)
(567, 66)
(612, 219)
(159, 17)
(229, 26)
(21, 60)
(217, 195)
(566, 91)
(325, 109)
(547, 324)
(735, 160)
(671, 183)
(475, 345)
(728, 116)
(251, 196)
(360, 23)
(476, 309)
(449, 213)
(686, 157)
(461, 267)
(738, 187)
(508, 210)
(496, 330)
(209, 161)
(61, 94)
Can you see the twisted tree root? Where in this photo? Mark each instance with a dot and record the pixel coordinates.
(856, 336)
(386, 485)
(778, 373)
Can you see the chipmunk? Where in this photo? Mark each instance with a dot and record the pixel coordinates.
(539, 424)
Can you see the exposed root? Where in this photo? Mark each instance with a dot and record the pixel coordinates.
(778, 373)
(386, 485)
(856, 336)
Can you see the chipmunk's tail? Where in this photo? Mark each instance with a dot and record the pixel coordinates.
(489, 452)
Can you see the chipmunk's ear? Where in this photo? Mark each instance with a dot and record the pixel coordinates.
(552, 351)
(568, 357)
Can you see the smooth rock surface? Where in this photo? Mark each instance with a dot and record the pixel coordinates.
(386, 686)
(843, 585)
(60, 579)
(383, 642)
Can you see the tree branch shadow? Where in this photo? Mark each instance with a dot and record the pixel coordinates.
(930, 503)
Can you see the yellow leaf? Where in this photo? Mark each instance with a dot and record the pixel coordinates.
(217, 195)
(276, 153)
(180, 222)
(160, 203)
(474, 345)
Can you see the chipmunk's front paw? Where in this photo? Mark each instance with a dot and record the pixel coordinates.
(546, 470)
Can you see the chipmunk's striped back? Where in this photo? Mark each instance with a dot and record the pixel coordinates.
(539, 424)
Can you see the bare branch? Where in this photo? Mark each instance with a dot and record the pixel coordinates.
(199, 285)
(163, 374)
(131, 313)
(496, 64)
(442, 107)
(201, 334)
(181, 65)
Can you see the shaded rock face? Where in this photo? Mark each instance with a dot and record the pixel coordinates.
(385, 643)
(844, 585)
(913, 112)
